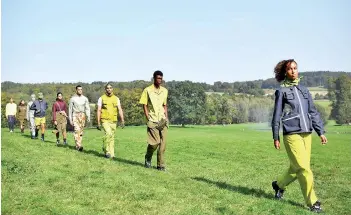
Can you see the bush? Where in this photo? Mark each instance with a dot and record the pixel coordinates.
(323, 113)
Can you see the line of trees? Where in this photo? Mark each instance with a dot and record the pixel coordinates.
(189, 103)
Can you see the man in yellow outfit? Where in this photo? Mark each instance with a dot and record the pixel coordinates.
(108, 107)
(154, 101)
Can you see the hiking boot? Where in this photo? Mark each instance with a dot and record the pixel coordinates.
(278, 192)
(147, 164)
(161, 168)
(316, 207)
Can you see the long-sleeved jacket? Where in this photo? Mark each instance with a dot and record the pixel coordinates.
(11, 109)
(39, 107)
(303, 115)
(78, 104)
(30, 113)
(22, 112)
(58, 106)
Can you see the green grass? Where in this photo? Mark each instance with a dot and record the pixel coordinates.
(210, 170)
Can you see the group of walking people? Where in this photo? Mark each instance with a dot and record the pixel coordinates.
(294, 109)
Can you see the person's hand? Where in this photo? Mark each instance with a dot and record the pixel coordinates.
(122, 124)
(323, 139)
(98, 127)
(55, 122)
(277, 144)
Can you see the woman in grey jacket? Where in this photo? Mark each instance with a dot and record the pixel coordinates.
(295, 109)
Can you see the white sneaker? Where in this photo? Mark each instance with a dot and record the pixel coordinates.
(11, 131)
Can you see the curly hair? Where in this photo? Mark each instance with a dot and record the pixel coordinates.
(279, 69)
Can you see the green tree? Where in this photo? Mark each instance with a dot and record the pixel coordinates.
(186, 103)
(342, 104)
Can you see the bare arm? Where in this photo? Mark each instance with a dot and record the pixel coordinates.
(166, 111)
(98, 114)
(120, 111)
(146, 112)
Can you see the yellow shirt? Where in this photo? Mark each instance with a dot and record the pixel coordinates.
(11, 109)
(155, 99)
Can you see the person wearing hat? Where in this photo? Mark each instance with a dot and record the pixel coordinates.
(39, 106)
(30, 116)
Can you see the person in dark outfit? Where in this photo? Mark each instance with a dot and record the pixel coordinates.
(298, 124)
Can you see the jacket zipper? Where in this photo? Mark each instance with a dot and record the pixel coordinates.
(290, 118)
(303, 115)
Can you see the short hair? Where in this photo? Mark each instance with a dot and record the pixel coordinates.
(158, 72)
(108, 84)
(78, 86)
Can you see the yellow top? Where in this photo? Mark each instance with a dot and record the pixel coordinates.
(109, 108)
(11, 109)
(155, 99)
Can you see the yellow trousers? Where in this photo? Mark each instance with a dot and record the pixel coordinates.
(109, 138)
(298, 147)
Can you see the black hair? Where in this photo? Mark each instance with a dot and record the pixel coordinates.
(108, 84)
(58, 94)
(78, 86)
(158, 72)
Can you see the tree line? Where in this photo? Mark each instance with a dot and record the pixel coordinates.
(189, 102)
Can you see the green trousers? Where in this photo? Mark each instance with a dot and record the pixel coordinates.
(109, 138)
(298, 147)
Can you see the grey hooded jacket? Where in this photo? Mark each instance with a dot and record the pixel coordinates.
(303, 115)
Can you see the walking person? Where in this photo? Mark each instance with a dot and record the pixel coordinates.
(22, 114)
(59, 118)
(154, 101)
(298, 124)
(40, 106)
(108, 107)
(10, 112)
(30, 116)
(78, 113)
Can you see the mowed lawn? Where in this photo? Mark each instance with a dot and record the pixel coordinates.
(210, 170)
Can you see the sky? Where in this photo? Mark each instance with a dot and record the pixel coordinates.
(201, 41)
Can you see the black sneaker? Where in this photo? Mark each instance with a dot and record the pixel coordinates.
(160, 168)
(147, 164)
(316, 207)
(107, 155)
(278, 192)
(42, 139)
(57, 142)
(80, 148)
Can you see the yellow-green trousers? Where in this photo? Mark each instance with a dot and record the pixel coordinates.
(109, 138)
(298, 147)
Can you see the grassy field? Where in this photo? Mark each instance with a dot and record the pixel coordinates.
(210, 170)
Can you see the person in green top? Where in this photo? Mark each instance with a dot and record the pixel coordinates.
(154, 101)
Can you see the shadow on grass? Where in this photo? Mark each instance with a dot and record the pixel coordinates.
(259, 193)
(30, 137)
(101, 155)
